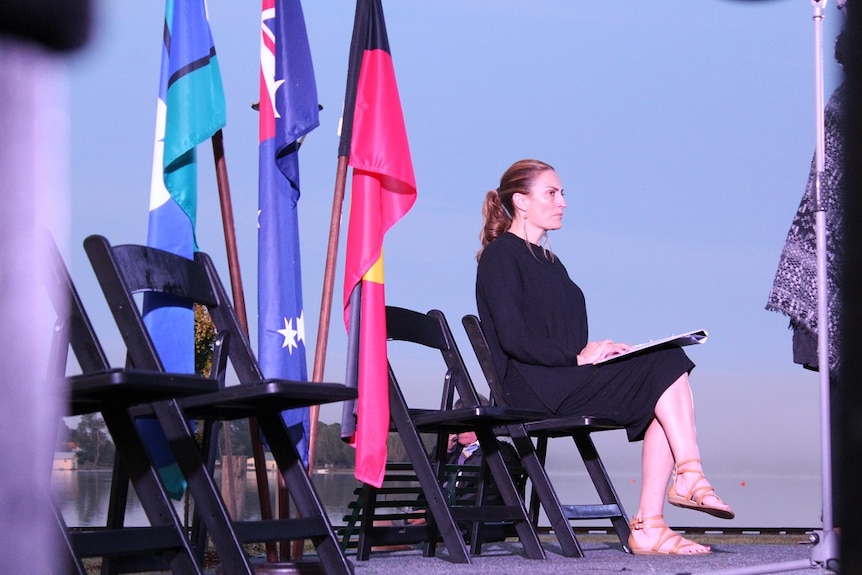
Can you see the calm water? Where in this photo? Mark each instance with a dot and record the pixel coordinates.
(83, 496)
(759, 501)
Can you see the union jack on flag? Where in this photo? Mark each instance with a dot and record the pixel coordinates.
(288, 111)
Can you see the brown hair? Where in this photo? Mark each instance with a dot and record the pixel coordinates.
(498, 206)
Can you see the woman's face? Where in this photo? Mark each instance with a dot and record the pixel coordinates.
(543, 207)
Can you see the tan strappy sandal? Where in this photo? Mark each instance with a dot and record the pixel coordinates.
(666, 535)
(698, 492)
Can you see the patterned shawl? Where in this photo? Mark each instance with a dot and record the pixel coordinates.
(794, 290)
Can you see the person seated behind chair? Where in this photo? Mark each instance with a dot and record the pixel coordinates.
(463, 449)
(534, 318)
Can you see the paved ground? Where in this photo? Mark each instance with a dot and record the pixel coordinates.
(739, 555)
(747, 554)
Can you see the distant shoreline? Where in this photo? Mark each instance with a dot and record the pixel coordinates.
(333, 470)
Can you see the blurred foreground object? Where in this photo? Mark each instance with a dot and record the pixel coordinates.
(34, 118)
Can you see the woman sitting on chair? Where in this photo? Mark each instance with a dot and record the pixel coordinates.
(534, 318)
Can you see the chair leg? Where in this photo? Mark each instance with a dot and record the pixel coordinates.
(543, 492)
(116, 518)
(366, 526)
(148, 486)
(73, 562)
(208, 502)
(604, 487)
(443, 521)
(199, 532)
(478, 531)
(302, 491)
(509, 493)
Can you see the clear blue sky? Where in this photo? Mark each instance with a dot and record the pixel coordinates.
(682, 131)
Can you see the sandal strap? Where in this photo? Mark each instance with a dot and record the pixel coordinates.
(638, 523)
(680, 542)
(697, 492)
(679, 467)
(666, 535)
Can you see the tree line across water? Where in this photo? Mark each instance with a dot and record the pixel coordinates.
(92, 444)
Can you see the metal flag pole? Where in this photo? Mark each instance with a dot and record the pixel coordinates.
(824, 552)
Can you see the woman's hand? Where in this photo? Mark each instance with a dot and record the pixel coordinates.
(599, 350)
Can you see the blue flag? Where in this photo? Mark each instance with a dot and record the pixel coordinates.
(288, 111)
(191, 108)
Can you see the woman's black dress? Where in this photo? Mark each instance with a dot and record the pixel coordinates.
(535, 319)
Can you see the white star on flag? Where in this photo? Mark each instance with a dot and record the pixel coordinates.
(300, 327)
(292, 337)
(289, 335)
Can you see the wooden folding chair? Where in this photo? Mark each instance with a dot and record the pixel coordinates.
(579, 428)
(100, 388)
(432, 331)
(126, 270)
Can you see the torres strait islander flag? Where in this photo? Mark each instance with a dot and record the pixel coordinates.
(288, 111)
(374, 139)
(190, 110)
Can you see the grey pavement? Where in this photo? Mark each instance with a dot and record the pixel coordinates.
(739, 555)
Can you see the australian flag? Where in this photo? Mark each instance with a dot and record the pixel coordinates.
(288, 111)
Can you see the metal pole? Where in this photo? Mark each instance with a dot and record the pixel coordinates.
(824, 553)
(821, 257)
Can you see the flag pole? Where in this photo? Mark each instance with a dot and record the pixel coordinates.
(326, 298)
(239, 307)
(354, 62)
(229, 232)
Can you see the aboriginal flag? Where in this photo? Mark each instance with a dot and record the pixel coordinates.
(374, 139)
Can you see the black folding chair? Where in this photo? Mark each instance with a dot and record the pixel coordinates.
(100, 388)
(126, 270)
(431, 330)
(579, 428)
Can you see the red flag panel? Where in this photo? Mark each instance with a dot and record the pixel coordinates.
(383, 190)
